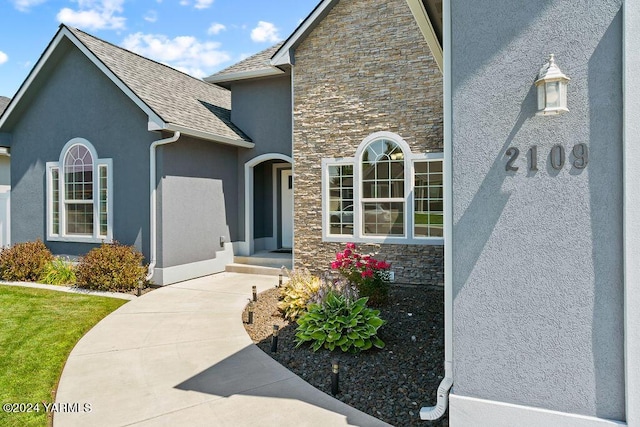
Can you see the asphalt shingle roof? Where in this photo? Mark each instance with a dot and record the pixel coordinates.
(4, 102)
(174, 96)
(257, 62)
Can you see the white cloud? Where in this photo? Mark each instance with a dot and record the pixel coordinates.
(265, 32)
(94, 15)
(3, 57)
(151, 16)
(184, 53)
(216, 28)
(25, 5)
(203, 4)
(200, 4)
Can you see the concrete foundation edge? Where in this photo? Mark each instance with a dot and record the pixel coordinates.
(469, 411)
(180, 273)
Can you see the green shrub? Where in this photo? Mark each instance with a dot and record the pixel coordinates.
(111, 267)
(339, 323)
(24, 262)
(295, 294)
(370, 275)
(59, 272)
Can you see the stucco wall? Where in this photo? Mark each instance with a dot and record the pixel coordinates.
(198, 198)
(102, 115)
(365, 68)
(537, 274)
(262, 109)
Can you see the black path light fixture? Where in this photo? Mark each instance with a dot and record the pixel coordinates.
(552, 89)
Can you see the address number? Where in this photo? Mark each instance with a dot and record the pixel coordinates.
(557, 157)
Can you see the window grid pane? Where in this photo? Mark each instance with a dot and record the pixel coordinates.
(79, 218)
(383, 219)
(78, 179)
(382, 187)
(55, 202)
(341, 199)
(103, 199)
(428, 200)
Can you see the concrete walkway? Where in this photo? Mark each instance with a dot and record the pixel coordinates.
(179, 356)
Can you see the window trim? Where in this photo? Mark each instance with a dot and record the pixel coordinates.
(97, 163)
(358, 235)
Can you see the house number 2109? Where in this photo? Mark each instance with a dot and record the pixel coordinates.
(557, 157)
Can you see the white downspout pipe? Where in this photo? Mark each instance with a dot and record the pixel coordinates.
(152, 200)
(435, 412)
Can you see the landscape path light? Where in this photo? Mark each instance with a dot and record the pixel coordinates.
(552, 89)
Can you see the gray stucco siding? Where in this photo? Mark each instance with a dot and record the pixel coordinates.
(262, 109)
(537, 255)
(198, 199)
(73, 99)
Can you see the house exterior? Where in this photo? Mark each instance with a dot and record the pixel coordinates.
(142, 154)
(367, 138)
(541, 214)
(5, 184)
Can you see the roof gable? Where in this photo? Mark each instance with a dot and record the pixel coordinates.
(428, 15)
(258, 65)
(172, 100)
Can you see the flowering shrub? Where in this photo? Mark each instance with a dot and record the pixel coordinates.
(111, 267)
(24, 262)
(370, 275)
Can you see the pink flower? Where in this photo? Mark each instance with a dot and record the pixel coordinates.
(339, 256)
(351, 246)
(382, 265)
(335, 265)
(347, 252)
(367, 273)
(359, 264)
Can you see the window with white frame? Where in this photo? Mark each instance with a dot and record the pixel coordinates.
(79, 189)
(384, 193)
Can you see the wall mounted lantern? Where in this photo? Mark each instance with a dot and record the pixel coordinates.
(552, 89)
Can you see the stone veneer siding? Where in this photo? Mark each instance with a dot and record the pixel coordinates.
(365, 68)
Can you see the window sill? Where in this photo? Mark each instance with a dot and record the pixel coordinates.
(79, 239)
(432, 241)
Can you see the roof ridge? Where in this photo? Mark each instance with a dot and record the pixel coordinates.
(251, 57)
(138, 55)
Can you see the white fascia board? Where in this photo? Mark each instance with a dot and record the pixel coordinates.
(426, 28)
(209, 136)
(244, 75)
(284, 55)
(62, 33)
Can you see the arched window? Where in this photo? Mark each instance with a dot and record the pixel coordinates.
(385, 193)
(79, 195)
(383, 196)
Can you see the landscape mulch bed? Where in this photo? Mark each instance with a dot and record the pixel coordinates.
(392, 383)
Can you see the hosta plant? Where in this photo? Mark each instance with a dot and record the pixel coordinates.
(295, 294)
(338, 323)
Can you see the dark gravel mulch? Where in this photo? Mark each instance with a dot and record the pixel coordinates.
(391, 384)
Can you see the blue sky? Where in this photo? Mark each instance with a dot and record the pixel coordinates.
(199, 37)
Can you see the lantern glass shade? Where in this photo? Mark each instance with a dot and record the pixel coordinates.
(552, 89)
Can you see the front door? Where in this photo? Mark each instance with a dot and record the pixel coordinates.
(286, 219)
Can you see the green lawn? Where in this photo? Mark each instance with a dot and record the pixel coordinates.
(428, 219)
(38, 329)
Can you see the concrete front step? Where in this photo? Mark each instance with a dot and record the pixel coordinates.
(266, 260)
(252, 269)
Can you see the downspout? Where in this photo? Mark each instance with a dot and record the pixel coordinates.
(435, 412)
(152, 200)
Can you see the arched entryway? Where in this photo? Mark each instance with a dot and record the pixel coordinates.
(268, 185)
